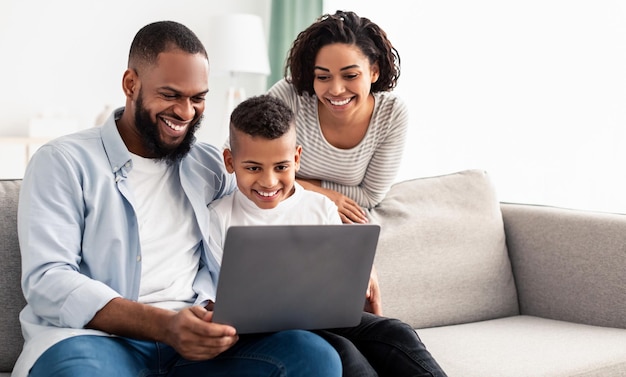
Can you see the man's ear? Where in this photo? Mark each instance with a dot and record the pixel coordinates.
(130, 83)
(296, 157)
(228, 160)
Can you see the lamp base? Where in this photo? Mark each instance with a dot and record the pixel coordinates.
(234, 96)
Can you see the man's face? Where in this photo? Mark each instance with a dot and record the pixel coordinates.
(149, 131)
(169, 104)
(265, 169)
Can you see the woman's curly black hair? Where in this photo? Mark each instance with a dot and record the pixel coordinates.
(342, 27)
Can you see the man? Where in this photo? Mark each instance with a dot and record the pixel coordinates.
(117, 268)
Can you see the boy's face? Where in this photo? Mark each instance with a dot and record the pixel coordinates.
(265, 169)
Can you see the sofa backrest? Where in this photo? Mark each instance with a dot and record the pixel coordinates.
(442, 256)
(441, 260)
(11, 298)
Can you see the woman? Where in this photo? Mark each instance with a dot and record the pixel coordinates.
(339, 76)
(338, 80)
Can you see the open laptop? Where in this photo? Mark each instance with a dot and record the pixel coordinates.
(280, 277)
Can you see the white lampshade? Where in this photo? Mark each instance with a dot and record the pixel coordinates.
(236, 44)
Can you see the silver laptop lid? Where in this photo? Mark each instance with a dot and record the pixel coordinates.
(294, 276)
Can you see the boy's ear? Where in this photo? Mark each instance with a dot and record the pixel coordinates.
(228, 160)
(296, 158)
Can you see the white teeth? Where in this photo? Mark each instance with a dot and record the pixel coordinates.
(267, 194)
(340, 103)
(173, 126)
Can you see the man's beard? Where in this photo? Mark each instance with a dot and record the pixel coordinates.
(151, 140)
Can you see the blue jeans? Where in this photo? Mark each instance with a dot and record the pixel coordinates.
(384, 347)
(285, 353)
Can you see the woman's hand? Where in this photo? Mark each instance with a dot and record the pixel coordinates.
(349, 211)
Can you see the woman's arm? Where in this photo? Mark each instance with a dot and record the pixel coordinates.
(349, 210)
(391, 119)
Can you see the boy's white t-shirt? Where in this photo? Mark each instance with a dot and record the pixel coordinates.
(170, 236)
(303, 207)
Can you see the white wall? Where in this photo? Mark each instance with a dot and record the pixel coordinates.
(65, 58)
(533, 91)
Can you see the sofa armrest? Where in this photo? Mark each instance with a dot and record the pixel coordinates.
(568, 264)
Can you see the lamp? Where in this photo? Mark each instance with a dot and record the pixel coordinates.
(236, 45)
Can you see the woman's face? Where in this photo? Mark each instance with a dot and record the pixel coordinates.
(342, 79)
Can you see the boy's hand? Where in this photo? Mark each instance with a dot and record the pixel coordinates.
(373, 302)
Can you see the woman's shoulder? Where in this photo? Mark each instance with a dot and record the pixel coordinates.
(286, 91)
(283, 89)
(390, 107)
(389, 100)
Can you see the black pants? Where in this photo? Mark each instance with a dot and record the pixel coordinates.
(381, 346)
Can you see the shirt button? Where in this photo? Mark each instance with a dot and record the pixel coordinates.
(138, 258)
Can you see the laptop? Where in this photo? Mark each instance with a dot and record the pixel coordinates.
(280, 277)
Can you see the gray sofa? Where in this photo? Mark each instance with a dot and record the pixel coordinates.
(493, 289)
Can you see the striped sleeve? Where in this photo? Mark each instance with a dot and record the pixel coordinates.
(363, 173)
(387, 137)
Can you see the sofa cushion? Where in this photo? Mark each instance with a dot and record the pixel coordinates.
(527, 346)
(11, 298)
(442, 257)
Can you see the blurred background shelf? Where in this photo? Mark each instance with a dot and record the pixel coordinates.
(15, 152)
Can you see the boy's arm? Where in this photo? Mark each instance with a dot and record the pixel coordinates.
(373, 302)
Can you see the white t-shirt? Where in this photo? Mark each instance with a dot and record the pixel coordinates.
(303, 207)
(169, 234)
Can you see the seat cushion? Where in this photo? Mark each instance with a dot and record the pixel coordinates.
(442, 257)
(522, 346)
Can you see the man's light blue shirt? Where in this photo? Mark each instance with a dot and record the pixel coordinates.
(79, 234)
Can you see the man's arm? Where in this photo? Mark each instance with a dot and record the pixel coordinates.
(56, 222)
(190, 331)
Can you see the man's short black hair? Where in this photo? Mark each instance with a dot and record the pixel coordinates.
(161, 36)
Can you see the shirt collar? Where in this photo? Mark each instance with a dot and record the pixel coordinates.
(117, 152)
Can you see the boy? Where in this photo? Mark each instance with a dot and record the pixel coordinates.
(264, 157)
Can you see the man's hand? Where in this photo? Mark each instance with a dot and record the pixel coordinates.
(195, 337)
(190, 331)
(373, 303)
